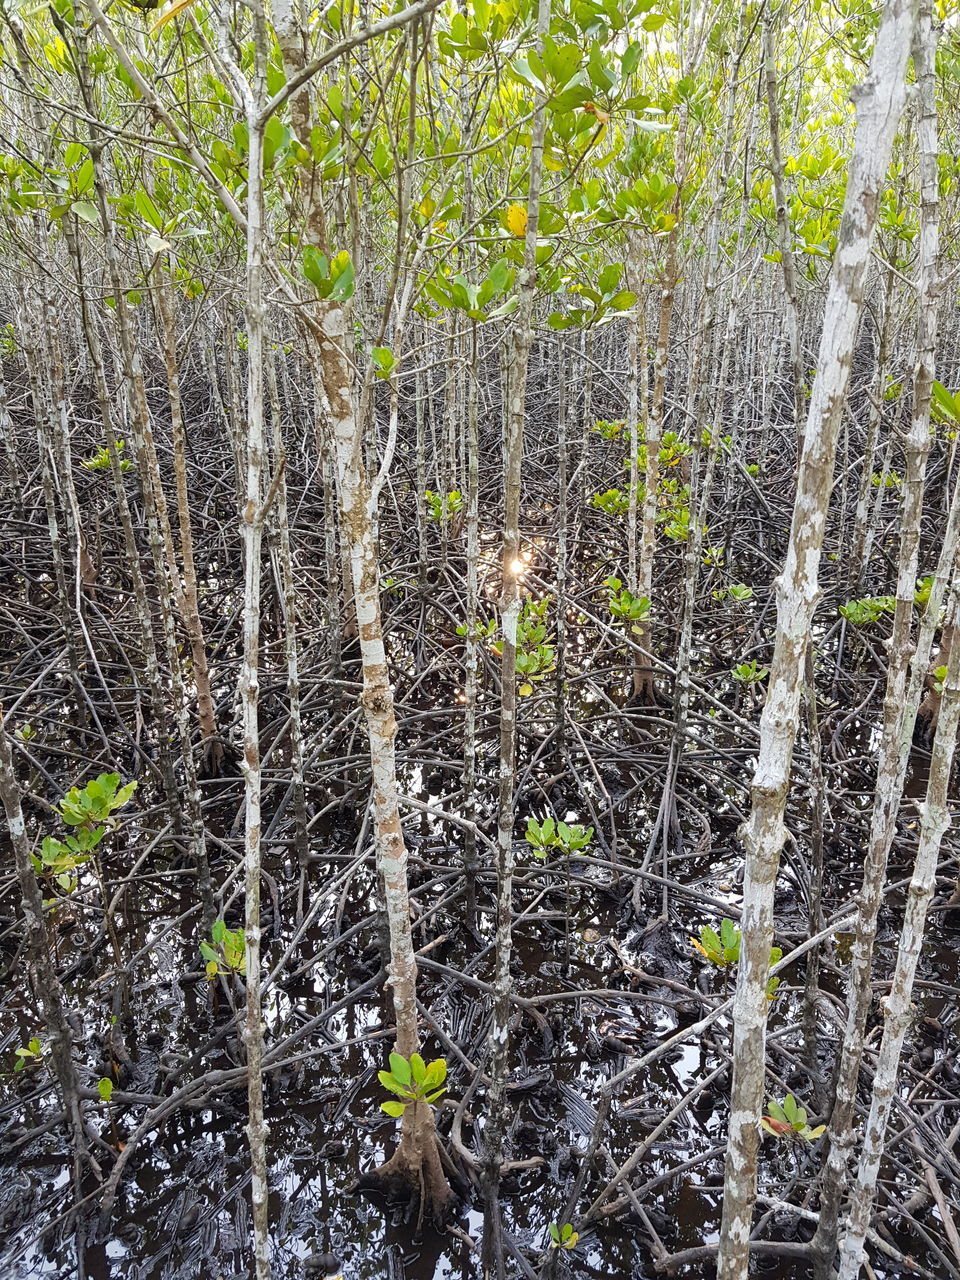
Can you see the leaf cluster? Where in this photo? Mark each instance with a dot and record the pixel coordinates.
(413, 1081)
(226, 952)
(789, 1120)
(550, 834)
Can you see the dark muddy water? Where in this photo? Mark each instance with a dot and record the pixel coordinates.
(182, 1211)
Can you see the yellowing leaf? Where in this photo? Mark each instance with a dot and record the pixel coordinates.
(517, 220)
(168, 15)
(603, 117)
(525, 690)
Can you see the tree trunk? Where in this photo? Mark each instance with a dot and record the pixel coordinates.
(879, 105)
(415, 1171)
(900, 702)
(518, 355)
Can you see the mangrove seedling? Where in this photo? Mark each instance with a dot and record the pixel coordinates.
(96, 802)
(614, 502)
(720, 949)
(609, 430)
(28, 1055)
(921, 597)
(226, 951)
(481, 630)
(440, 505)
(789, 1120)
(563, 1237)
(536, 656)
(100, 461)
(89, 810)
(542, 836)
(60, 859)
(714, 557)
(868, 610)
(567, 837)
(412, 1080)
(723, 949)
(105, 1090)
(624, 604)
(749, 672)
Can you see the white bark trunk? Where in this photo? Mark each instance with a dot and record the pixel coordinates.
(879, 105)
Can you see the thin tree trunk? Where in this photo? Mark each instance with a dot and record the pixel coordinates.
(518, 355)
(188, 599)
(415, 1169)
(879, 105)
(900, 702)
(897, 1007)
(784, 232)
(291, 647)
(40, 966)
(254, 506)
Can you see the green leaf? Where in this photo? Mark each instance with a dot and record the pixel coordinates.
(631, 59)
(105, 1088)
(436, 1073)
(778, 1112)
(499, 276)
(395, 1109)
(276, 137)
(400, 1068)
(944, 403)
(147, 210)
(710, 939)
(392, 1085)
(123, 795)
(505, 309)
(83, 180)
(384, 361)
(86, 211)
(343, 283)
(418, 1067)
(315, 267)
